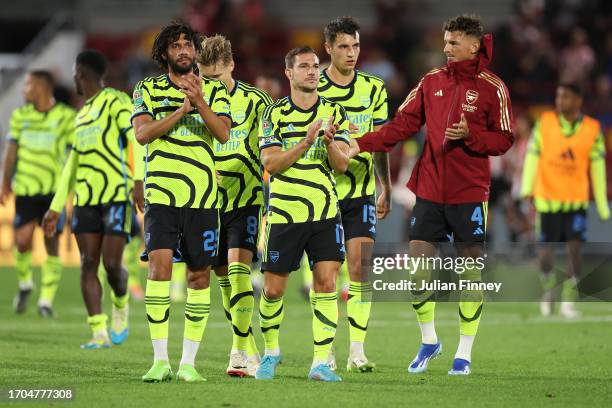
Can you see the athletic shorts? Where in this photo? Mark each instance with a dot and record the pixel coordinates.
(239, 229)
(562, 226)
(28, 208)
(135, 230)
(105, 219)
(191, 233)
(285, 244)
(434, 222)
(359, 217)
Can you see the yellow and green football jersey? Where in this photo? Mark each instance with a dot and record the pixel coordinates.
(97, 169)
(365, 102)
(180, 165)
(305, 191)
(237, 161)
(42, 139)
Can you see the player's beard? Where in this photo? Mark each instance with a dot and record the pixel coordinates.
(179, 69)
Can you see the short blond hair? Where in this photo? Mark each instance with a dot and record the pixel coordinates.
(215, 49)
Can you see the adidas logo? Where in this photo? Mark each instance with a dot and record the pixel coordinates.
(373, 229)
(250, 240)
(290, 128)
(165, 102)
(439, 93)
(478, 231)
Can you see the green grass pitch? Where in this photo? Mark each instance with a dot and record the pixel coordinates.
(519, 358)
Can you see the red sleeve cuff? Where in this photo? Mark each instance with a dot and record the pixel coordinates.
(472, 138)
(365, 142)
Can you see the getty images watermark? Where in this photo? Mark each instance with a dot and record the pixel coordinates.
(508, 274)
(426, 265)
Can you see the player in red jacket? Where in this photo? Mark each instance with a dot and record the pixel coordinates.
(468, 116)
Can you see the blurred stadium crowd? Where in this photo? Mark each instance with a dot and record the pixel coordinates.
(541, 43)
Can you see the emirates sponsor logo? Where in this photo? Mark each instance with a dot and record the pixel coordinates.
(469, 108)
(471, 96)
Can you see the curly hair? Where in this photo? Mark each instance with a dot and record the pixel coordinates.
(214, 49)
(468, 23)
(341, 25)
(170, 34)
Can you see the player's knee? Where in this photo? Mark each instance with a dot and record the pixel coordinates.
(198, 280)
(89, 263)
(273, 291)
(159, 271)
(112, 267)
(324, 286)
(546, 264)
(23, 242)
(23, 246)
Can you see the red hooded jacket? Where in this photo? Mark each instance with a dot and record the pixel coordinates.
(452, 172)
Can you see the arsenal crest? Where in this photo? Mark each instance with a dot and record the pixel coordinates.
(471, 96)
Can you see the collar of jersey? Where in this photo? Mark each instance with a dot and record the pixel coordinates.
(233, 91)
(93, 98)
(566, 125)
(350, 84)
(172, 84)
(297, 108)
(32, 107)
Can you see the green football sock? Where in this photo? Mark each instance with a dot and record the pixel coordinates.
(131, 257)
(424, 306)
(423, 300)
(343, 276)
(324, 324)
(120, 301)
(241, 304)
(23, 266)
(98, 324)
(251, 343)
(313, 300)
(569, 291)
(51, 274)
(270, 318)
(470, 304)
(358, 309)
(226, 293)
(197, 310)
(157, 305)
(548, 280)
